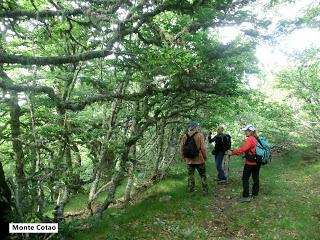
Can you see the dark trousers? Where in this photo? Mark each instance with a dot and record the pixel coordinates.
(247, 171)
(201, 168)
(219, 159)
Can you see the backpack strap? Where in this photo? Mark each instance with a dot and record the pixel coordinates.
(188, 137)
(192, 134)
(250, 158)
(260, 143)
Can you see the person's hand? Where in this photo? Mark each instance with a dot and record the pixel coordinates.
(229, 152)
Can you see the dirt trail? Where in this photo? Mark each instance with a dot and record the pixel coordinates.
(222, 225)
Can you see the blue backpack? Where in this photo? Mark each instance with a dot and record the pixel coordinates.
(263, 151)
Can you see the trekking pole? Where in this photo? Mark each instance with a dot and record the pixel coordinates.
(228, 156)
(226, 165)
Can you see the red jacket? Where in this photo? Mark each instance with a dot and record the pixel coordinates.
(248, 148)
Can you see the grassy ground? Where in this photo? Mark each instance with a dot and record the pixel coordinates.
(287, 208)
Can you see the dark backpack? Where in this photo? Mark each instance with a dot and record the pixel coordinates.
(190, 149)
(226, 142)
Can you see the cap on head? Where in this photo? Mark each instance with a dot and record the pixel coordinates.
(193, 125)
(249, 127)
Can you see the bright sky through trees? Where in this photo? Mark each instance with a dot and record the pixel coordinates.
(276, 55)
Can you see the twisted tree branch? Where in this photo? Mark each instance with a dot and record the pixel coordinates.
(40, 14)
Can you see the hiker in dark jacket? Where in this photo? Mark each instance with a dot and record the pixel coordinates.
(251, 166)
(219, 152)
(198, 162)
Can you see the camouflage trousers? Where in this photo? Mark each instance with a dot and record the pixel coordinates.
(201, 168)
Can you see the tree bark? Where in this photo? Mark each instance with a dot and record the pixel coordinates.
(36, 159)
(15, 113)
(58, 212)
(5, 205)
(109, 124)
(132, 164)
(40, 14)
(131, 170)
(160, 131)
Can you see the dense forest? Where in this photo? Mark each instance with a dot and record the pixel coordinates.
(96, 94)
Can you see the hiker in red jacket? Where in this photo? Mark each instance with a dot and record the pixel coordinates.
(251, 166)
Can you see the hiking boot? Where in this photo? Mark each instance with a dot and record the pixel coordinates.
(205, 193)
(222, 181)
(254, 196)
(190, 191)
(245, 199)
(191, 194)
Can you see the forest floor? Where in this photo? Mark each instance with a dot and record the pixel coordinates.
(288, 206)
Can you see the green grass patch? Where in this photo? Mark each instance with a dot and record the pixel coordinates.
(287, 208)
